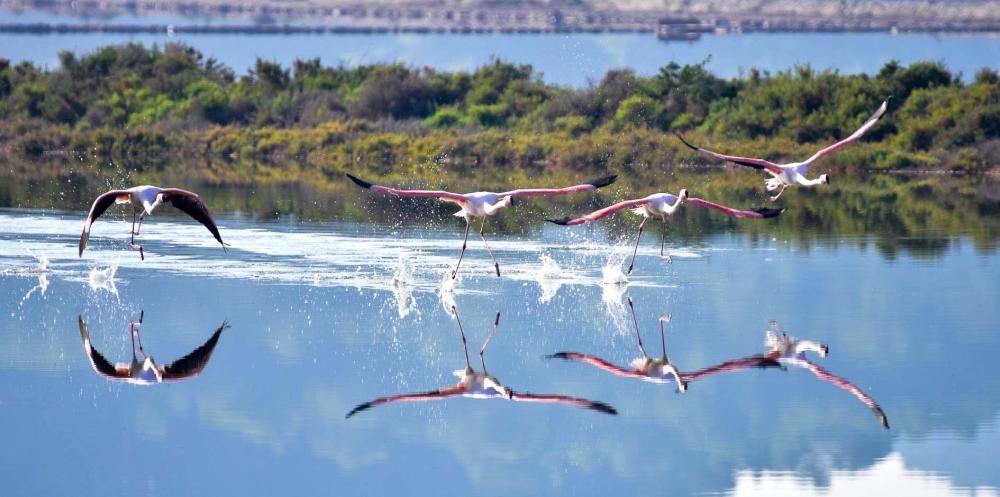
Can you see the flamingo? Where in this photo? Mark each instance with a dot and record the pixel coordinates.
(147, 371)
(481, 385)
(482, 204)
(662, 205)
(790, 351)
(144, 200)
(656, 370)
(785, 175)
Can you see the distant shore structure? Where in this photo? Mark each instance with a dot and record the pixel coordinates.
(668, 20)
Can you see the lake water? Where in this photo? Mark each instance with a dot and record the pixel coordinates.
(328, 314)
(567, 59)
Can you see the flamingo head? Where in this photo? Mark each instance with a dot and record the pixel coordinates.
(824, 179)
(683, 195)
(824, 350)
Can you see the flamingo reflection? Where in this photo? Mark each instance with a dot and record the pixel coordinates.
(657, 370)
(482, 385)
(147, 371)
(789, 351)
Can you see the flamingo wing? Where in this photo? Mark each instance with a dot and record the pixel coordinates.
(563, 399)
(441, 194)
(743, 161)
(854, 136)
(850, 387)
(101, 364)
(594, 216)
(596, 362)
(729, 211)
(192, 364)
(755, 361)
(101, 204)
(192, 204)
(410, 397)
(585, 187)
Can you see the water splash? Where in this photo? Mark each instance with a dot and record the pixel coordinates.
(446, 291)
(549, 278)
(104, 279)
(614, 283)
(42, 272)
(402, 285)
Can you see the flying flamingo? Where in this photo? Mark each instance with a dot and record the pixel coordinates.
(481, 385)
(482, 204)
(789, 351)
(785, 175)
(147, 371)
(656, 370)
(662, 205)
(144, 200)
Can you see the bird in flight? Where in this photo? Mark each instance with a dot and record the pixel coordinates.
(147, 371)
(481, 385)
(482, 204)
(144, 200)
(662, 205)
(652, 369)
(785, 175)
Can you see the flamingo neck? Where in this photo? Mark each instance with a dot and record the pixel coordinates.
(802, 180)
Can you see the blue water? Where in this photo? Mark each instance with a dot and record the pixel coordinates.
(567, 59)
(327, 315)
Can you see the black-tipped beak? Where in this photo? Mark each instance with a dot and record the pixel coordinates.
(511, 197)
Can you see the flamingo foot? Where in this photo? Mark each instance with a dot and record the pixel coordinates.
(629, 269)
(497, 264)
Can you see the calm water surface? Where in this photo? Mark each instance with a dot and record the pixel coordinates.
(571, 59)
(327, 315)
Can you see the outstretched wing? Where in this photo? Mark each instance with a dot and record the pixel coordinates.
(101, 204)
(854, 136)
(409, 397)
(850, 387)
(563, 399)
(194, 206)
(755, 361)
(100, 364)
(192, 364)
(585, 187)
(743, 161)
(596, 362)
(455, 197)
(729, 211)
(594, 216)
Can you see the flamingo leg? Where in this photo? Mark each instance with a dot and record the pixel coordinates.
(135, 334)
(462, 253)
(663, 237)
(461, 332)
(663, 342)
(132, 239)
(488, 249)
(635, 323)
(783, 187)
(636, 250)
(489, 337)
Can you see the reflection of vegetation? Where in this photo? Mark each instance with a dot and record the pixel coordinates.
(296, 130)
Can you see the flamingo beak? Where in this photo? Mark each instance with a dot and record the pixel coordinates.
(510, 199)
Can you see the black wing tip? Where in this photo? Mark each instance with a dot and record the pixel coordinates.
(561, 222)
(602, 407)
(681, 138)
(359, 408)
(360, 182)
(603, 181)
(766, 212)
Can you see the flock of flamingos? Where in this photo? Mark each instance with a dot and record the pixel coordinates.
(782, 350)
